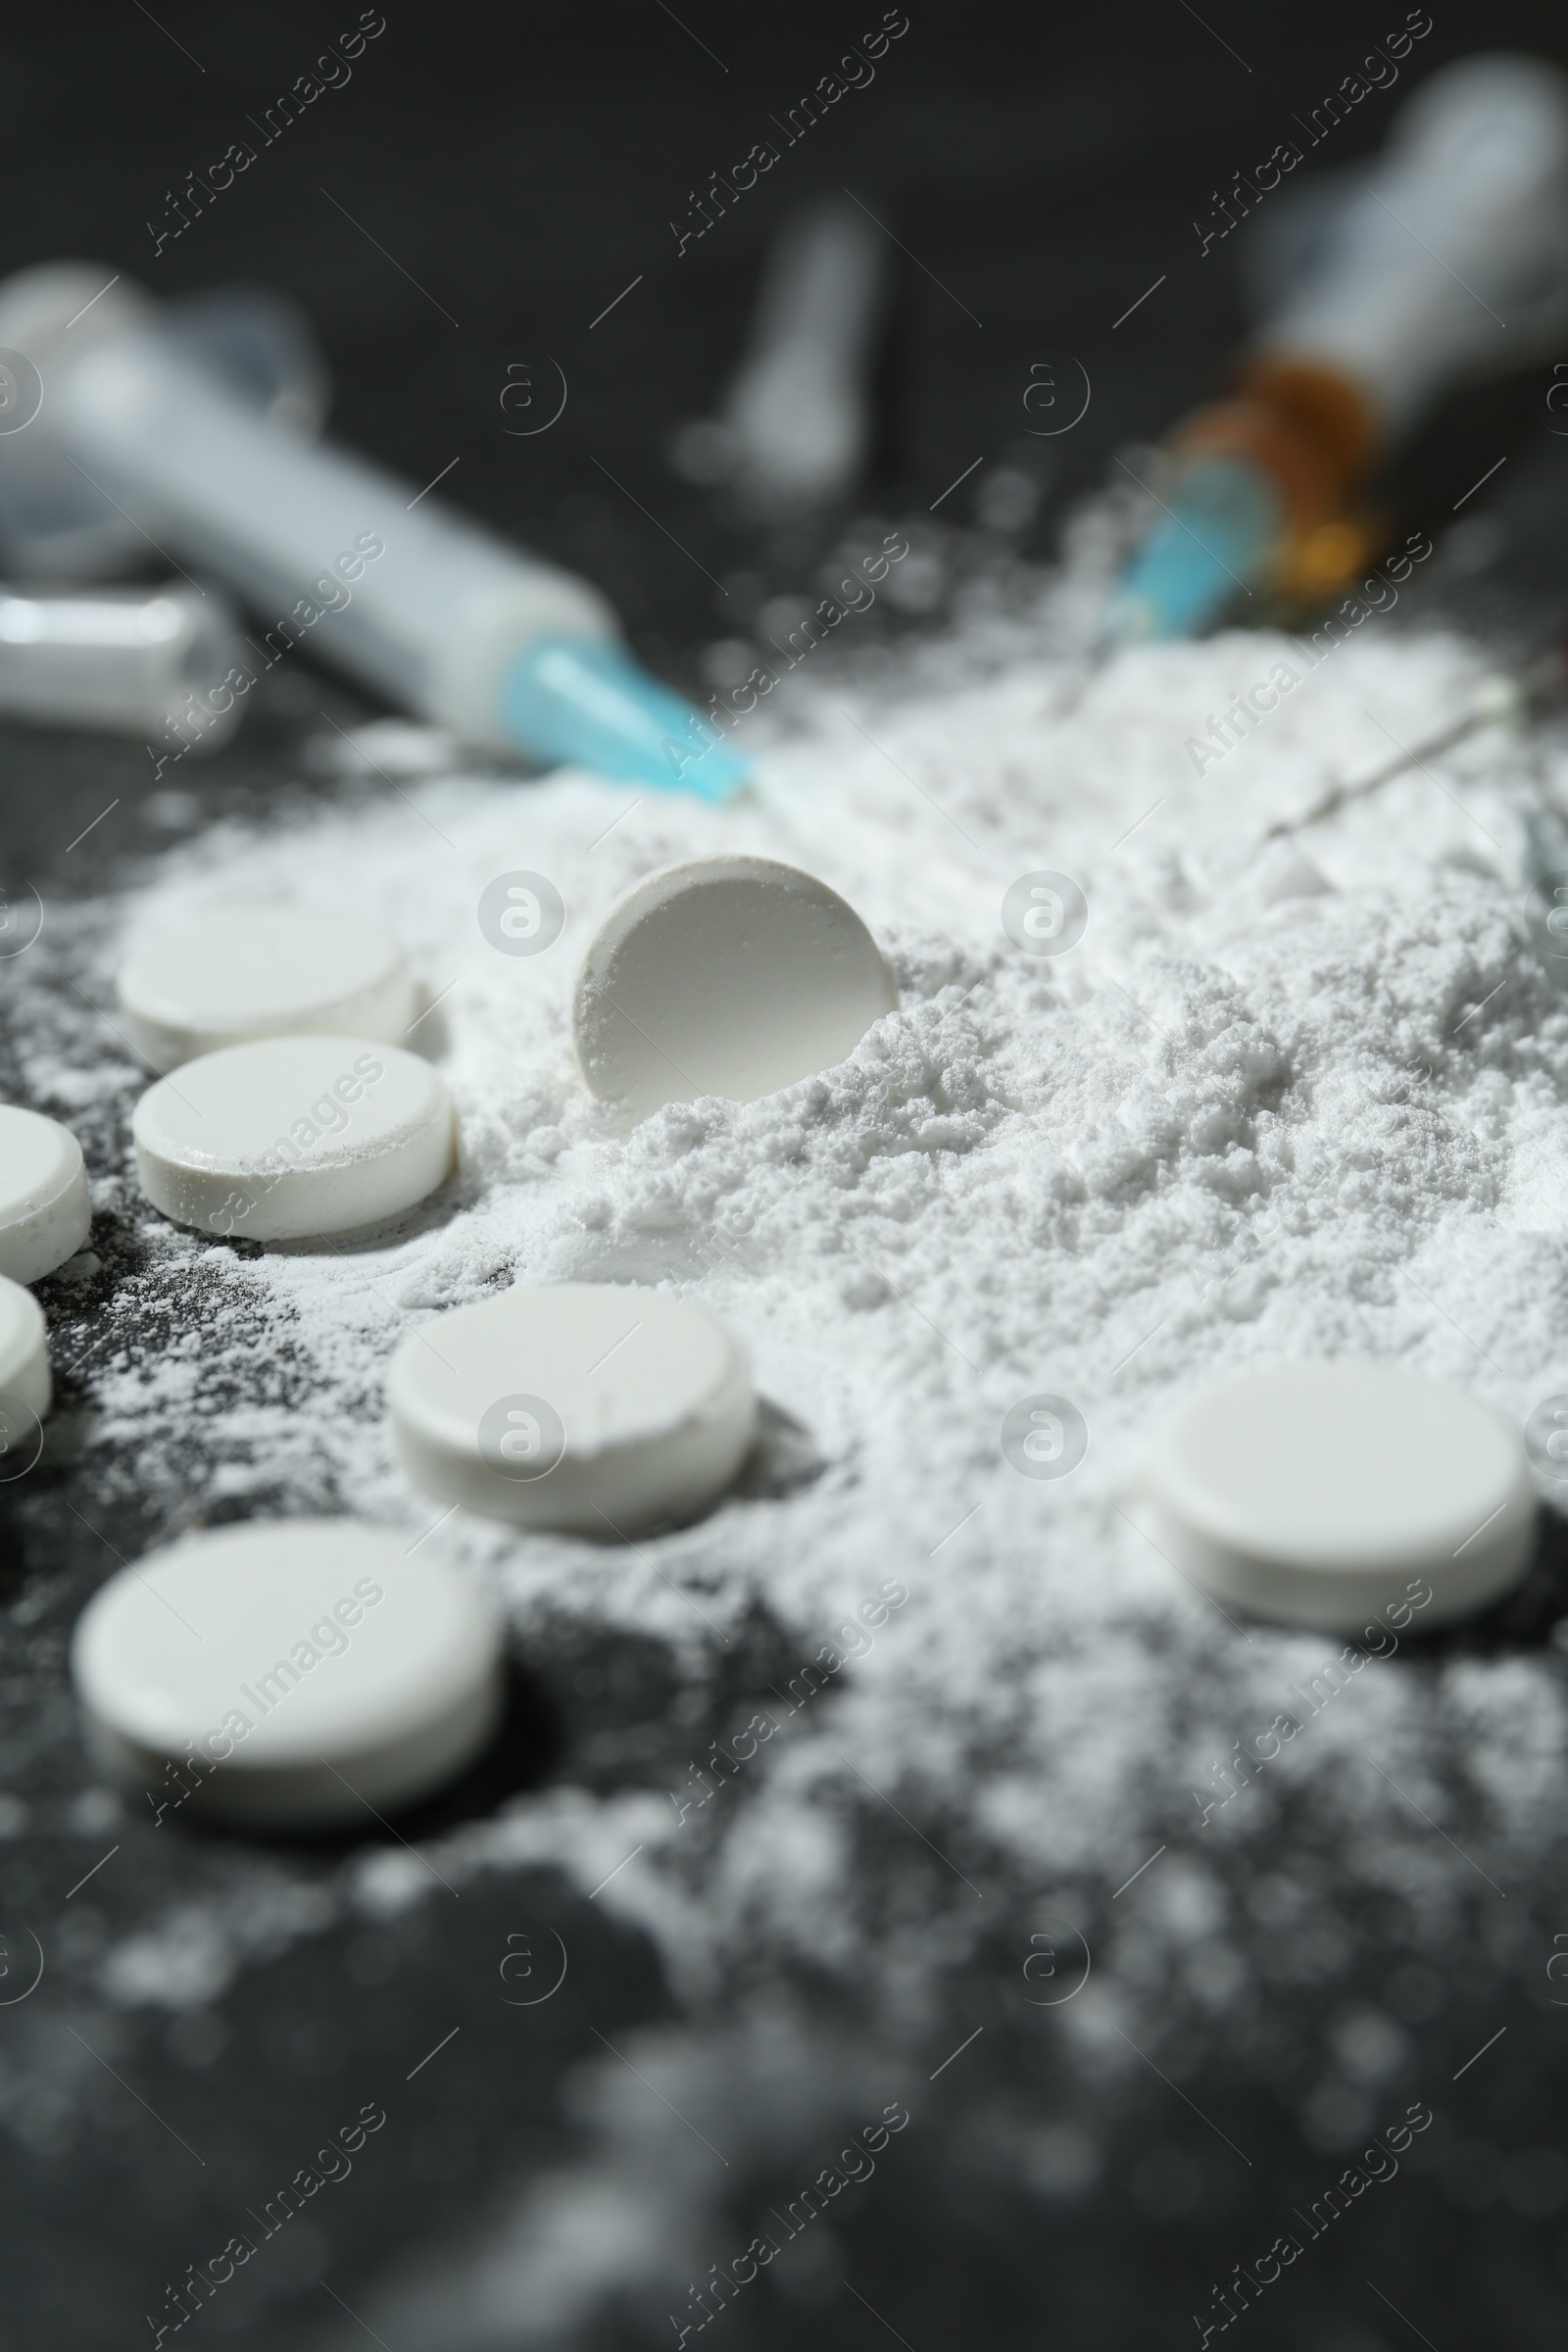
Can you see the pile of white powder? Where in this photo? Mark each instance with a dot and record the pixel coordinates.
(1274, 1105)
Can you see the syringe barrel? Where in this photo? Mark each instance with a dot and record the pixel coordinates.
(390, 586)
(1460, 234)
(131, 660)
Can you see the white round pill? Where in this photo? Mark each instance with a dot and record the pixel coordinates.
(292, 1672)
(293, 1136)
(729, 976)
(1321, 1494)
(23, 1359)
(596, 1408)
(44, 1205)
(264, 972)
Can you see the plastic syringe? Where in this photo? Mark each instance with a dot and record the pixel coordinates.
(1451, 261)
(129, 661)
(191, 428)
(795, 425)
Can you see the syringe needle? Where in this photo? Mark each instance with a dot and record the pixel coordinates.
(1500, 701)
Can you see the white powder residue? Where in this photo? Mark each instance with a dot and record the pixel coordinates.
(1272, 1105)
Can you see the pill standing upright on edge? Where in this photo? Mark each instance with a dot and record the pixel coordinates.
(600, 1410)
(263, 971)
(290, 1673)
(24, 1352)
(45, 1209)
(287, 1138)
(731, 976)
(1315, 1494)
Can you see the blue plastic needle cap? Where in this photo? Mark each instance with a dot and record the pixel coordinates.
(583, 701)
(1215, 542)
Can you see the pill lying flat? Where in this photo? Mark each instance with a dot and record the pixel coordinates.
(293, 1136)
(291, 1672)
(262, 972)
(728, 976)
(44, 1205)
(600, 1409)
(1320, 1494)
(23, 1354)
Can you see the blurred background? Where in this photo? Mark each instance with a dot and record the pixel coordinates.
(462, 213)
(483, 217)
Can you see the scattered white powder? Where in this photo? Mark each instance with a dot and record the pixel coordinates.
(1277, 1102)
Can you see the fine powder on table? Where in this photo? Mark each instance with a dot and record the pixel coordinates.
(1280, 1101)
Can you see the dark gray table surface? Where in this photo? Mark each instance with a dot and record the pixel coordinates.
(523, 167)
